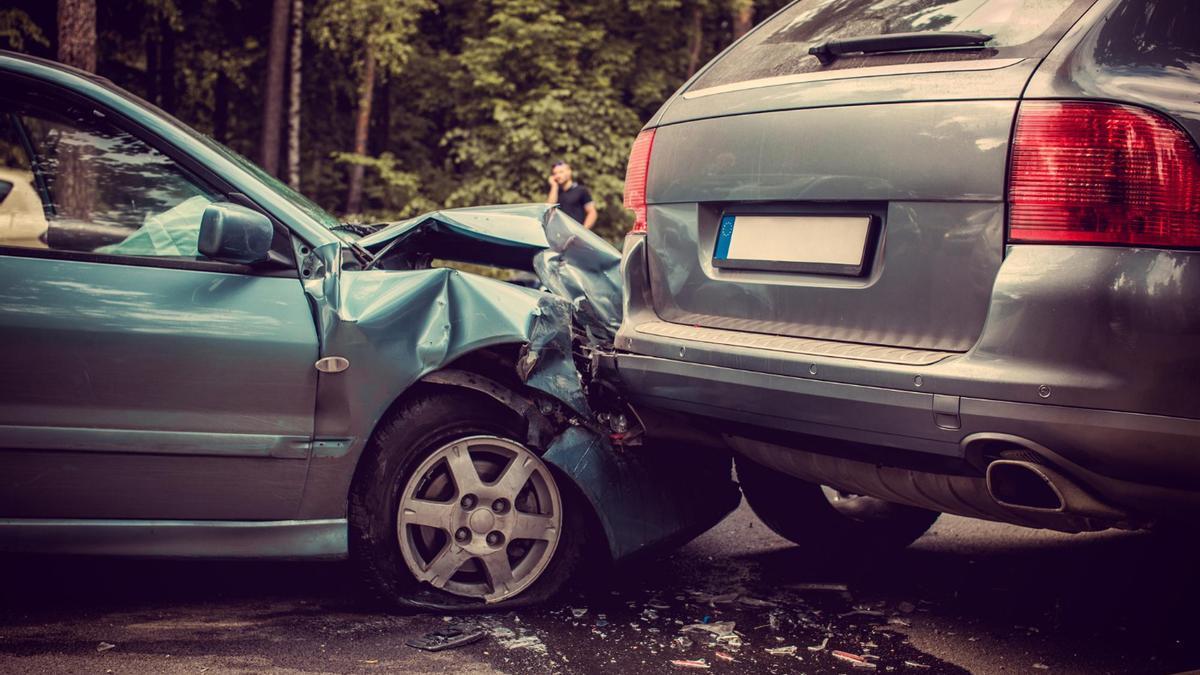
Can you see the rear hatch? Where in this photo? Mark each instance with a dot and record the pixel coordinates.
(855, 198)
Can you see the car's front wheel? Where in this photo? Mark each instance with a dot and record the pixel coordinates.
(450, 511)
(832, 525)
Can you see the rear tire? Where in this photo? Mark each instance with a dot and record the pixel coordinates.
(391, 558)
(802, 513)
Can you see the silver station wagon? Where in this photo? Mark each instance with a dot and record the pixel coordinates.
(912, 257)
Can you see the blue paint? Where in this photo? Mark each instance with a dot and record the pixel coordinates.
(723, 239)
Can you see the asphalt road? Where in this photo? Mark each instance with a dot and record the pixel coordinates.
(968, 596)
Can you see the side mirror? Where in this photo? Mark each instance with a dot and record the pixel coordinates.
(236, 234)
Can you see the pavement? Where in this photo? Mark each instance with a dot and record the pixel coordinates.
(970, 596)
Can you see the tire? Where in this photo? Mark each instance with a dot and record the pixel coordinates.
(834, 530)
(426, 435)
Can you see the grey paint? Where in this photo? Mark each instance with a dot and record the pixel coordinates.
(1117, 52)
(1099, 326)
(952, 81)
(942, 221)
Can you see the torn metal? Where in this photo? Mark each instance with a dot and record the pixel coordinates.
(396, 309)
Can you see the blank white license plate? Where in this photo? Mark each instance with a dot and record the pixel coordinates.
(819, 244)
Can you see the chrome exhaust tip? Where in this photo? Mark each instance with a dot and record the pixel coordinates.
(1028, 486)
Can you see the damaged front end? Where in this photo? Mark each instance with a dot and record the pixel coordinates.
(648, 481)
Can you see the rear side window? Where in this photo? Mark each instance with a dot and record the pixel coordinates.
(1020, 28)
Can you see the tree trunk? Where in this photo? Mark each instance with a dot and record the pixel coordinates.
(76, 47)
(293, 115)
(362, 125)
(166, 76)
(696, 39)
(743, 18)
(273, 91)
(383, 117)
(77, 33)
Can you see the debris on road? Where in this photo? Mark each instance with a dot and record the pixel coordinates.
(914, 664)
(578, 612)
(725, 657)
(853, 659)
(789, 650)
(449, 637)
(1041, 666)
(719, 631)
(104, 646)
(698, 664)
(820, 647)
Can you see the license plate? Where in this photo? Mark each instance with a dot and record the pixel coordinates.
(818, 244)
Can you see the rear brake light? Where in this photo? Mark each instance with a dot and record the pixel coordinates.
(1102, 173)
(635, 178)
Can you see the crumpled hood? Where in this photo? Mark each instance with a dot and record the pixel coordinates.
(571, 261)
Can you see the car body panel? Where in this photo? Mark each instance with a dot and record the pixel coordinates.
(148, 392)
(953, 81)
(941, 223)
(1118, 53)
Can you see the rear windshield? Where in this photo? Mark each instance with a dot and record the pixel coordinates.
(1020, 28)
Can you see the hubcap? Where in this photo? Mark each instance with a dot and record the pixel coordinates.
(453, 536)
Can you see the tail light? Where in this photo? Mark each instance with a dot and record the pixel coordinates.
(1102, 173)
(635, 178)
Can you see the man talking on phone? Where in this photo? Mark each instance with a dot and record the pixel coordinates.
(572, 198)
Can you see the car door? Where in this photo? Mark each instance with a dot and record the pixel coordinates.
(138, 380)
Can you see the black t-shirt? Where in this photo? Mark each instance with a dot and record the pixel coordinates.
(573, 200)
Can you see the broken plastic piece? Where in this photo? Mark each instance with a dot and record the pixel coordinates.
(854, 659)
(699, 664)
(789, 650)
(104, 646)
(449, 637)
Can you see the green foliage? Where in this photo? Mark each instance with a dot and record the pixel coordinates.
(351, 28)
(474, 101)
(16, 27)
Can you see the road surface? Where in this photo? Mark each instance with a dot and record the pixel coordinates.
(969, 596)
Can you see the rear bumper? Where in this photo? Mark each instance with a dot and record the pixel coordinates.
(1087, 354)
(1147, 464)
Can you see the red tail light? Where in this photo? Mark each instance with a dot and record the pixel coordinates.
(1101, 173)
(635, 178)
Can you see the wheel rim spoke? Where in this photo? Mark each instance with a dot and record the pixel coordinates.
(447, 562)
(499, 571)
(427, 513)
(516, 475)
(533, 526)
(462, 469)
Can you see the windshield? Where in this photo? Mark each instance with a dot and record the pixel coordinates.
(780, 46)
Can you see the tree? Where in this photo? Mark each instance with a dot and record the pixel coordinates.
(273, 91)
(294, 74)
(16, 27)
(742, 12)
(77, 33)
(375, 35)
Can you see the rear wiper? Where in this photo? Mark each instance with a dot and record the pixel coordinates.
(827, 51)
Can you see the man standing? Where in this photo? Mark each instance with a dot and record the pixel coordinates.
(571, 197)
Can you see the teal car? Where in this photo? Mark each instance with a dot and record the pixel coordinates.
(198, 362)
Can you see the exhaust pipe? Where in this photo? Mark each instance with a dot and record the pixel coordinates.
(1028, 486)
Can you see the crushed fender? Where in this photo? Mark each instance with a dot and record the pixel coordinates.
(420, 320)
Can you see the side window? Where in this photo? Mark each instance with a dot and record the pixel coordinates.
(80, 183)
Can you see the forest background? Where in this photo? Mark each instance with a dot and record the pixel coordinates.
(384, 109)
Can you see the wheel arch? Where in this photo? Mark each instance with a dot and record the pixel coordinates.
(491, 372)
